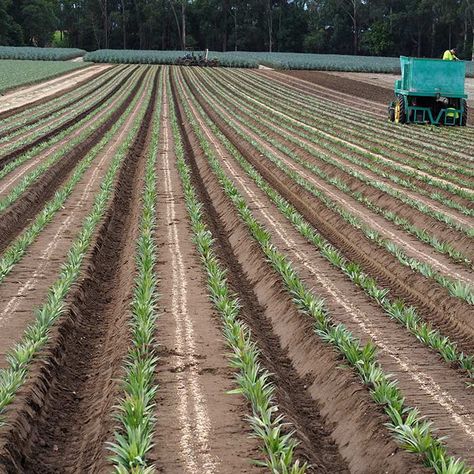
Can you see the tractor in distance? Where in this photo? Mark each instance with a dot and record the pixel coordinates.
(431, 91)
(202, 60)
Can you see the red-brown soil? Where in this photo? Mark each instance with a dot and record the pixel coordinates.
(442, 231)
(8, 157)
(22, 290)
(432, 301)
(20, 99)
(308, 359)
(75, 96)
(14, 177)
(199, 426)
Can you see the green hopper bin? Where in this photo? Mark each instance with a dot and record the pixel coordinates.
(430, 91)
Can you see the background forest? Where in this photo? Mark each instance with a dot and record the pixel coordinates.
(375, 27)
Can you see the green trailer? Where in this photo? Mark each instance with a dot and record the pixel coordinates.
(430, 91)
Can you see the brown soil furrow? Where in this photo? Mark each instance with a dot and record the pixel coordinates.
(23, 290)
(412, 245)
(50, 125)
(21, 99)
(67, 416)
(13, 178)
(419, 184)
(76, 97)
(8, 157)
(308, 374)
(360, 84)
(369, 86)
(452, 316)
(17, 216)
(404, 138)
(198, 425)
(407, 137)
(424, 385)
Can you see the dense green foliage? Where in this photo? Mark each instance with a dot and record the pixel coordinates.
(327, 62)
(45, 54)
(370, 27)
(28, 22)
(17, 73)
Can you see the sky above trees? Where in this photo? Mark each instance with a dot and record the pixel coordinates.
(375, 27)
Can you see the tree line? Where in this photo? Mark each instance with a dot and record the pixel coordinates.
(423, 28)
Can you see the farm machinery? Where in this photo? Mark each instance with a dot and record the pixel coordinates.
(190, 59)
(431, 91)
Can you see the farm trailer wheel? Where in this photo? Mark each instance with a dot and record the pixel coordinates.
(400, 112)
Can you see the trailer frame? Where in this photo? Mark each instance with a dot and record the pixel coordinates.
(430, 91)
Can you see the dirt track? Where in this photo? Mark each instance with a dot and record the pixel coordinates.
(62, 417)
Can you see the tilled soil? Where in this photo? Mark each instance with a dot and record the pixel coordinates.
(75, 98)
(194, 413)
(451, 314)
(15, 176)
(411, 245)
(20, 99)
(22, 290)
(456, 142)
(8, 157)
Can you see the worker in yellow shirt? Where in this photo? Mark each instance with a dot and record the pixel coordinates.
(450, 55)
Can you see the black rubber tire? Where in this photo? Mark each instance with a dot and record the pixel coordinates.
(401, 104)
(465, 113)
(391, 113)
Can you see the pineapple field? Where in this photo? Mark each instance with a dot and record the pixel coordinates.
(222, 270)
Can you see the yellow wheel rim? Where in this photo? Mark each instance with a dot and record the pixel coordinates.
(397, 112)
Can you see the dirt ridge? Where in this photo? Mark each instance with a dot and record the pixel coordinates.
(424, 385)
(58, 109)
(43, 100)
(439, 229)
